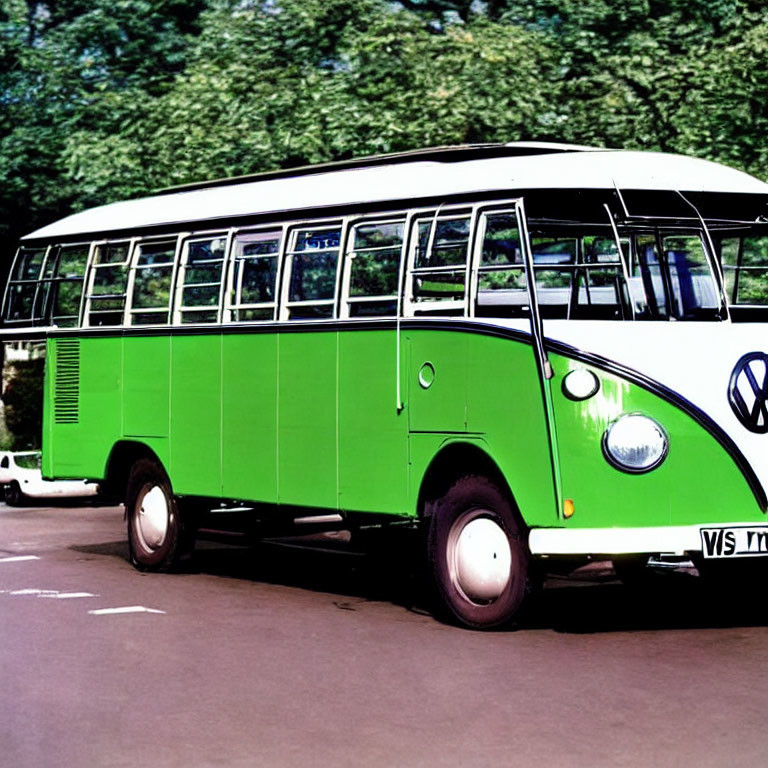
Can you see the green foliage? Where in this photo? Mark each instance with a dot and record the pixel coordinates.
(23, 399)
(102, 101)
(63, 65)
(676, 75)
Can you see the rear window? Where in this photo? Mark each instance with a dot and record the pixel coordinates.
(27, 460)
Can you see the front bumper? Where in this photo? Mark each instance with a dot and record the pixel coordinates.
(667, 540)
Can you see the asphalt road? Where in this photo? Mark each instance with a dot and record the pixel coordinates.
(296, 657)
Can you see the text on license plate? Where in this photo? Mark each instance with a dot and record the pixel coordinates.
(741, 541)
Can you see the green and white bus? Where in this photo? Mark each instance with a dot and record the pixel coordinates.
(531, 350)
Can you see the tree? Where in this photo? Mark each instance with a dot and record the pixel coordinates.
(319, 81)
(62, 63)
(23, 400)
(101, 100)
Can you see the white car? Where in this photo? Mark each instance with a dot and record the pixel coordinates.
(21, 478)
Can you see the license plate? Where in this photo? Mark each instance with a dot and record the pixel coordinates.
(741, 541)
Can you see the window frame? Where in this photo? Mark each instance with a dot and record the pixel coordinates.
(739, 269)
(288, 251)
(93, 269)
(233, 293)
(34, 319)
(580, 271)
(403, 218)
(43, 300)
(181, 259)
(43, 296)
(481, 213)
(410, 306)
(579, 268)
(134, 266)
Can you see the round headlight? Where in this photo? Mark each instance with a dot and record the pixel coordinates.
(635, 443)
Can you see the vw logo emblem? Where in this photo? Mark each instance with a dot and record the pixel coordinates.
(748, 391)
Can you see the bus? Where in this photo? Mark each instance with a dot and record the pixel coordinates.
(527, 351)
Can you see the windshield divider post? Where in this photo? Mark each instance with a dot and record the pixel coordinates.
(537, 327)
(624, 260)
(627, 214)
(714, 263)
(739, 260)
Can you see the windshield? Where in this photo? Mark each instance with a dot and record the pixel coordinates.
(670, 276)
(627, 255)
(593, 259)
(583, 272)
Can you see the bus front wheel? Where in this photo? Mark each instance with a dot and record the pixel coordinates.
(478, 555)
(157, 537)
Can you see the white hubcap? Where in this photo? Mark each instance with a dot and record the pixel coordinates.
(482, 559)
(153, 517)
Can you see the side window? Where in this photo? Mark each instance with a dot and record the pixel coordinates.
(108, 286)
(579, 277)
(603, 293)
(745, 268)
(312, 267)
(579, 274)
(200, 280)
(553, 259)
(438, 274)
(373, 267)
(4, 464)
(62, 284)
(22, 286)
(152, 278)
(501, 286)
(254, 277)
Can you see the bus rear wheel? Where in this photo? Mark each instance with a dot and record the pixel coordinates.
(157, 537)
(479, 559)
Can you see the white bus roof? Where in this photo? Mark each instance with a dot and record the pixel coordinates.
(519, 166)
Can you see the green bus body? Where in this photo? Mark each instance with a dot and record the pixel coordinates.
(308, 418)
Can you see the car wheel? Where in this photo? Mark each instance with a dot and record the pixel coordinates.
(478, 554)
(14, 497)
(158, 538)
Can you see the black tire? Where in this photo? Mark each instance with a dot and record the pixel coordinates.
(159, 537)
(13, 495)
(633, 571)
(494, 592)
(738, 576)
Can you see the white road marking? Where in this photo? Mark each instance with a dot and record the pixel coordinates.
(18, 558)
(51, 593)
(67, 595)
(124, 609)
